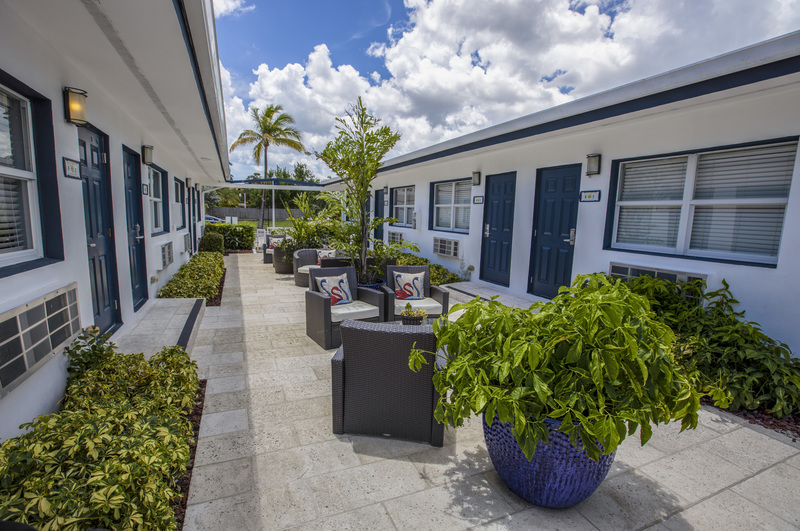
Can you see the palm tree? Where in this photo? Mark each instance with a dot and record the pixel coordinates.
(273, 126)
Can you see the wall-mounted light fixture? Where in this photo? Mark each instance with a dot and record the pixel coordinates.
(147, 154)
(593, 164)
(75, 106)
(476, 178)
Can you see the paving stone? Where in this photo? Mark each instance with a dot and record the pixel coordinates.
(748, 449)
(668, 438)
(717, 420)
(224, 422)
(225, 447)
(371, 517)
(292, 464)
(219, 359)
(777, 490)
(452, 462)
(540, 518)
(372, 449)
(314, 430)
(288, 505)
(726, 511)
(225, 385)
(289, 412)
(310, 389)
(219, 480)
(228, 369)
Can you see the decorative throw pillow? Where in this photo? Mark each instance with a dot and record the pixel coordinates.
(336, 288)
(409, 286)
(274, 241)
(325, 253)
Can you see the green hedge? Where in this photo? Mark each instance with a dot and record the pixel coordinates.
(199, 278)
(110, 457)
(439, 274)
(212, 242)
(237, 237)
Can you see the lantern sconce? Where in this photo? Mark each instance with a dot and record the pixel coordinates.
(147, 154)
(476, 178)
(593, 164)
(75, 106)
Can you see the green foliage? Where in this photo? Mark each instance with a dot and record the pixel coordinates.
(408, 259)
(108, 459)
(212, 242)
(595, 358)
(307, 231)
(728, 357)
(198, 278)
(237, 237)
(441, 275)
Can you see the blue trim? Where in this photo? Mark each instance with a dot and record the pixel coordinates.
(784, 67)
(432, 207)
(183, 22)
(391, 205)
(608, 237)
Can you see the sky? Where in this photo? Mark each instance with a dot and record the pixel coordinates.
(433, 70)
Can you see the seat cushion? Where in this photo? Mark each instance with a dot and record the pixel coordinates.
(430, 305)
(409, 286)
(355, 310)
(305, 269)
(269, 250)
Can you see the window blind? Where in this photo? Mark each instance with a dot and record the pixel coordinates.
(462, 218)
(750, 229)
(463, 193)
(13, 230)
(444, 217)
(444, 194)
(654, 226)
(653, 180)
(748, 173)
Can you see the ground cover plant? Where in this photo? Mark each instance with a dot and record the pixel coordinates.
(439, 274)
(198, 278)
(728, 357)
(110, 457)
(237, 237)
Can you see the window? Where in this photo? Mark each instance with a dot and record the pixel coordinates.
(20, 235)
(725, 205)
(159, 198)
(403, 206)
(451, 206)
(180, 203)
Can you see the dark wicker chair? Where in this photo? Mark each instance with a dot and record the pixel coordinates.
(265, 248)
(373, 390)
(322, 323)
(433, 294)
(307, 259)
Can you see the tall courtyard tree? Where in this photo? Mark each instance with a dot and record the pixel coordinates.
(273, 126)
(355, 156)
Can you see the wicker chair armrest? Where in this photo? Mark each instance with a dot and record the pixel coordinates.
(374, 297)
(318, 307)
(389, 297)
(441, 296)
(337, 390)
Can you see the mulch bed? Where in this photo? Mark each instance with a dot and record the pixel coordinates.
(216, 301)
(789, 425)
(184, 481)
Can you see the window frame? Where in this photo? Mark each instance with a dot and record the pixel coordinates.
(407, 208)
(163, 199)
(688, 204)
(180, 199)
(433, 206)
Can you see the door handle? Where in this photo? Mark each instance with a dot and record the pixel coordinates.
(486, 229)
(571, 238)
(138, 236)
(92, 245)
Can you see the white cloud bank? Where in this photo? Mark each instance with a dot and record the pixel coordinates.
(231, 7)
(461, 65)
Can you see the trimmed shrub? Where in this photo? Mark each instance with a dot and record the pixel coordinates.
(237, 237)
(441, 275)
(108, 459)
(409, 259)
(199, 278)
(212, 242)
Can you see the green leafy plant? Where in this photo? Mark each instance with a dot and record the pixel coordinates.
(595, 358)
(108, 459)
(728, 357)
(441, 275)
(212, 242)
(409, 311)
(198, 278)
(308, 231)
(408, 259)
(237, 237)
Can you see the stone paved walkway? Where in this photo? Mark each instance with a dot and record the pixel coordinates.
(266, 457)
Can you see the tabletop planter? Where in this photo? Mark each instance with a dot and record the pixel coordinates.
(410, 316)
(584, 370)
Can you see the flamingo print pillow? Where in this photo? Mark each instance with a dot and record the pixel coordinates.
(325, 253)
(336, 288)
(409, 286)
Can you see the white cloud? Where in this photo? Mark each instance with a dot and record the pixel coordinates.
(231, 7)
(457, 66)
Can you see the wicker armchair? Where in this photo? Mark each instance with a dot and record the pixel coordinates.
(304, 261)
(266, 247)
(436, 301)
(323, 320)
(373, 390)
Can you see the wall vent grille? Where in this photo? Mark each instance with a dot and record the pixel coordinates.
(446, 247)
(166, 255)
(395, 237)
(632, 271)
(187, 243)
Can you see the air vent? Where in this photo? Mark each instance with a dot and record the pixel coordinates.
(395, 237)
(187, 243)
(166, 255)
(445, 247)
(632, 271)
(32, 333)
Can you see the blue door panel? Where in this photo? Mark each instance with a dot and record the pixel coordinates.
(135, 227)
(498, 218)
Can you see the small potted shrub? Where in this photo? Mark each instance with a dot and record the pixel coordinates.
(410, 316)
(560, 385)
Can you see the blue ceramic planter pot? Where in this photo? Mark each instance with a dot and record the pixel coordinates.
(558, 476)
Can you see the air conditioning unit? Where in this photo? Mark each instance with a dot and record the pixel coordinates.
(187, 243)
(166, 255)
(395, 237)
(632, 271)
(445, 247)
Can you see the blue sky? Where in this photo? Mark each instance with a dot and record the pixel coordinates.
(437, 69)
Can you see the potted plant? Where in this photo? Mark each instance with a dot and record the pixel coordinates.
(564, 382)
(410, 316)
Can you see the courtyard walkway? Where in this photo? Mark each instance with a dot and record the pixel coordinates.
(267, 459)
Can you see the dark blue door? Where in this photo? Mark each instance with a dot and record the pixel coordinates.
(378, 235)
(554, 218)
(99, 227)
(135, 225)
(498, 228)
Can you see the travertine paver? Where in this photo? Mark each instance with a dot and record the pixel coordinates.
(267, 459)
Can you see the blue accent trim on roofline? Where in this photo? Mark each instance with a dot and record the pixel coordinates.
(276, 181)
(183, 22)
(783, 67)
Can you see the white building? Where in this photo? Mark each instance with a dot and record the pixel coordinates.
(695, 179)
(88, 231)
